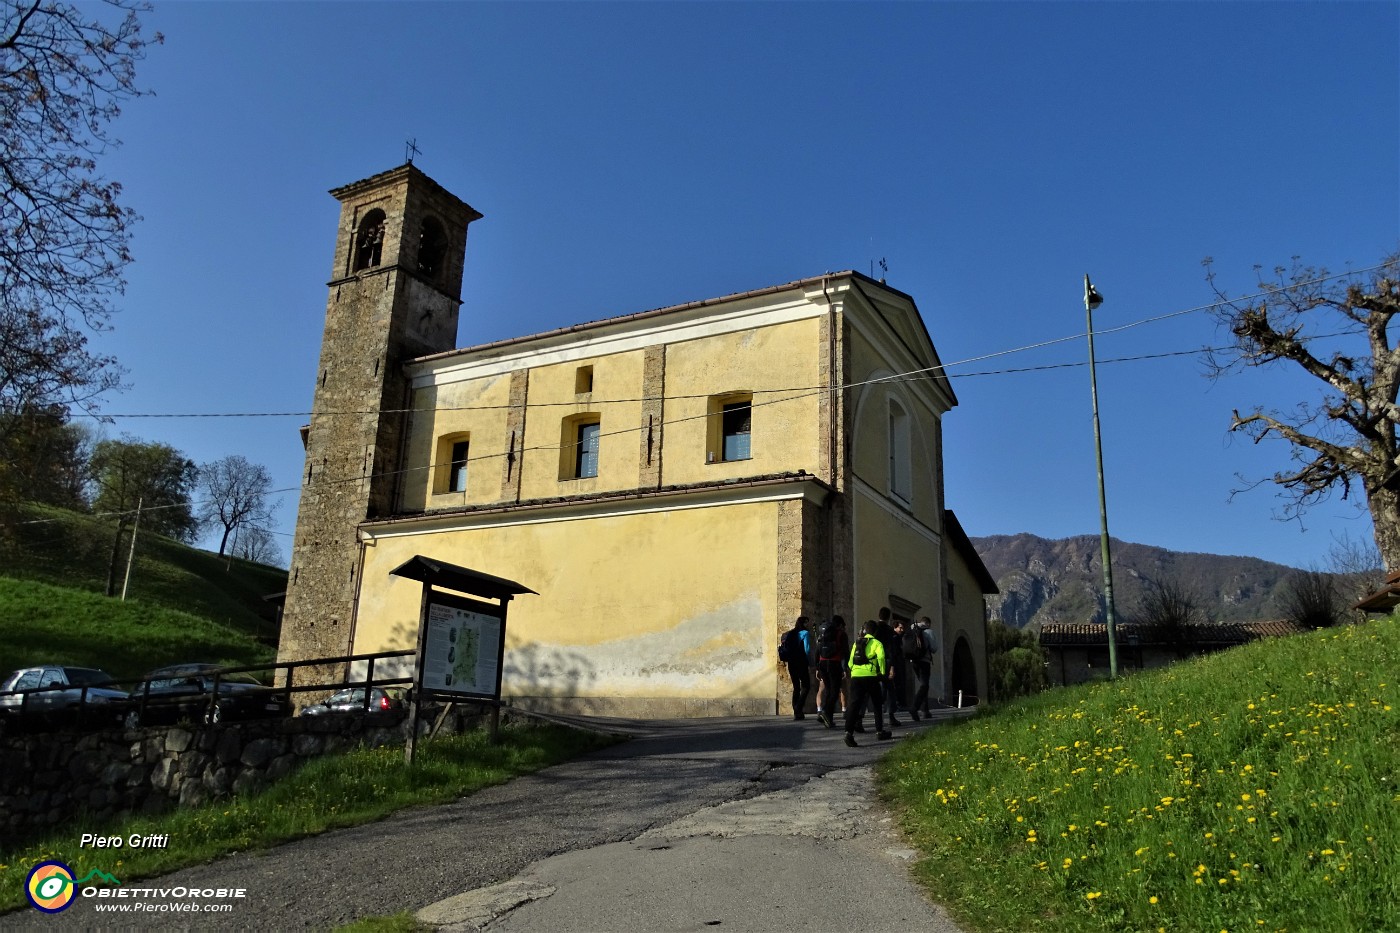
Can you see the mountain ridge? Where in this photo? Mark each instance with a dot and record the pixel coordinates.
(1061, 579)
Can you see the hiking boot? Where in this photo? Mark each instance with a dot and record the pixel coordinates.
(914, 716)
(827, 721)
(892, 721)
(851, 741)
(858, 729)
(884, 736)
(799, 715)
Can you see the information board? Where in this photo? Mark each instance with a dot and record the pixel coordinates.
(461, 650)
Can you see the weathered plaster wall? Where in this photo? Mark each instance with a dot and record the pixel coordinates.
(474, 410)
(893, 558)
(897, 543)
(550, 449)
(786, 424)
(870, 453)
(662, 612)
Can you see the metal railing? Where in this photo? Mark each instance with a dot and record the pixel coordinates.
(140, 697)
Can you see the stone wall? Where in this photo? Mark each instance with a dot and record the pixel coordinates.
(50, 779)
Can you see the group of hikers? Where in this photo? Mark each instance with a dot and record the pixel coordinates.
(874, 669)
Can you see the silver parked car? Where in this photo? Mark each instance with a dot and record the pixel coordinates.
(353, 698)
(54, 692)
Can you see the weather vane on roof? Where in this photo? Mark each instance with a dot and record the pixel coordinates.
(411, 150)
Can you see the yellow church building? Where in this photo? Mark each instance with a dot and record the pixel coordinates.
(676, 485)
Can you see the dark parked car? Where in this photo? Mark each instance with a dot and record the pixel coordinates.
(353, 698)
(187, 691)
(59, 693)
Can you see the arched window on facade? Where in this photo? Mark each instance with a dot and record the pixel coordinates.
(432, 247)
(369, 241)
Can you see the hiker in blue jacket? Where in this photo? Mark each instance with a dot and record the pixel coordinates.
(795, 650)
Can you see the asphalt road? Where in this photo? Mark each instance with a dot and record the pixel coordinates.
(753, 824)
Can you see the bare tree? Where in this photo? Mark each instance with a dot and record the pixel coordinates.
(256, 544)
(234, 496)
(64, 73)
(1348, 437)
(1168, 607)
(1310, 598)
(1357, 566)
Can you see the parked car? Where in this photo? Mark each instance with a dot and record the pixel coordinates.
(187, 691)
(353, 698)
(59, 695)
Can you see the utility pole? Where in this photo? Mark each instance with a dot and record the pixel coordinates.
(131, 555)
(1092, 299)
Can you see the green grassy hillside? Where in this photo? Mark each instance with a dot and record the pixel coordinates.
(47, 624)
(182, 603)
(1255, 789)
(73, 550)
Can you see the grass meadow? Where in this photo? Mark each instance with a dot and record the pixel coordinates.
(48, 624)
(1256, 789)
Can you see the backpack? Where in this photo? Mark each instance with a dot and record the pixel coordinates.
(859, 657)
(827, 648)
(914, 646)
(790, 648)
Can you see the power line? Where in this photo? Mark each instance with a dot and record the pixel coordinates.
(804, 392)
(939, 368)
(801, 392)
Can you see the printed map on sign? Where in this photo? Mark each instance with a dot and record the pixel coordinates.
(461, 651)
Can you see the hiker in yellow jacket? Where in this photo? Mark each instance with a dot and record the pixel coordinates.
(868, 668)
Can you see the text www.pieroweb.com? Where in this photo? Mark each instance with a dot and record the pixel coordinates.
(164, 900)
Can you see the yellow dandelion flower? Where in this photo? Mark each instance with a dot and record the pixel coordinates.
(1152, 899)
(1092, 895)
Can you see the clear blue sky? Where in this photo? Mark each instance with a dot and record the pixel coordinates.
(628, 157)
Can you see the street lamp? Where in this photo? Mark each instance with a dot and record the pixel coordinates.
(1092, 299)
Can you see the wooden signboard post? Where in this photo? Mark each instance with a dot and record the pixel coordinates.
(461, 639)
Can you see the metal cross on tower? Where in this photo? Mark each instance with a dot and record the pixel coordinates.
(410, 150)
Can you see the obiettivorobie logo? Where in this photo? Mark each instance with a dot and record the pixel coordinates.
(51, 886)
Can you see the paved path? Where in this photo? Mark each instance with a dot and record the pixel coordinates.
(753, 824)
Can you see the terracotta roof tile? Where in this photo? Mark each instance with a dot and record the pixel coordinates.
(1214, 633)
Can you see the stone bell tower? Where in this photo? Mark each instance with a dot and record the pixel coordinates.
(395, 290)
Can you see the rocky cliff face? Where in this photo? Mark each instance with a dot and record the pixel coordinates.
(1061, 580)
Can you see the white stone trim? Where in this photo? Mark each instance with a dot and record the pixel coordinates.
(620, 337)
(889, 348)
(861, 487)
(577, 510)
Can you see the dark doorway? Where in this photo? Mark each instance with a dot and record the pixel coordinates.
(964, 675)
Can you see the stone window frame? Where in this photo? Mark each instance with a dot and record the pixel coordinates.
(444, 476)
(573, 456)
(722, 424)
